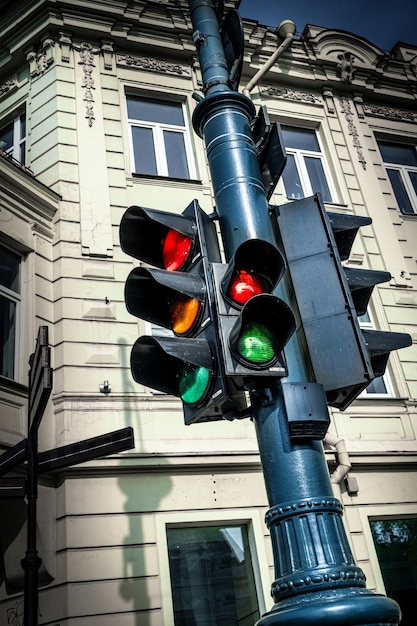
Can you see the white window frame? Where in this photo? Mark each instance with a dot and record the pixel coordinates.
(405, 177)
(299, 156)
(16, 298)
(256, 534)
(19, 142)
(158, 129)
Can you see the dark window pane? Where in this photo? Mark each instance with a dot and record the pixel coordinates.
(396, 547)
(377, 386)
(212, 577)
(148, 110)
(22, 126)
(398, 153)
(9, 270)
(176, 156)
(7, 336)
(292, 182)
(317, 178)
(144, 151)
(300, 138)
(413, 178)
(400, 191)
(6, 137)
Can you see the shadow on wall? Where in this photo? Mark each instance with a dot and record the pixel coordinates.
(144, 490)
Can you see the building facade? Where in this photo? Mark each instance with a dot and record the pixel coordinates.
(96, 101)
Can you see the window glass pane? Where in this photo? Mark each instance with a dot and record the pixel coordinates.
(398, 153)
(317, 179)
(400, 192)
(7, 336)
(292, 182)
(364, 319)
(176, 156)
(300, 138)
(22, 126)
(148, 110)
(9, 270)
(396, 547)
(6, 137)
(377, 386)
(211, 576)
(144, 151)
(413, 178)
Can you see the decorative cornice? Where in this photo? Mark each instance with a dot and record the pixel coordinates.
(40, 60)
(288, 93)
(65, 42)
(107, 50)
(42, 229)
(345, 106)
(329, 101)
(8, 86)
(391, 113)
(152, 65)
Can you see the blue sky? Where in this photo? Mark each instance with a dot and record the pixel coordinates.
(383, 22)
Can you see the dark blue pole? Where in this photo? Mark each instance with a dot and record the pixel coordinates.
(317, 581)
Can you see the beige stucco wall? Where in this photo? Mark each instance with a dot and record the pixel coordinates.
(110, 557)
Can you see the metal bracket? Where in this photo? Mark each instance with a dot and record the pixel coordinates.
(199, 38)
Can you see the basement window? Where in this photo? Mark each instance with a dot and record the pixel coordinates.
(212, 579)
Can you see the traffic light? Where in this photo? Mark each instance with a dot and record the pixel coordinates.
(254, 325)
(328, 298)
(177, 294)
(270, 150)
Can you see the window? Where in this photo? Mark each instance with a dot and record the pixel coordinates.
(306, 171)
(13, 138)
(396, 547)
(9, 310)
(212, 578)
(159, 138)
(401, 164)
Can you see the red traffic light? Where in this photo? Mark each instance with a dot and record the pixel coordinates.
(176, 250)
(256, 268)
(246, 284)
(165, 240)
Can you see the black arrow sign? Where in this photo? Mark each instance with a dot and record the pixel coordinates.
(86, 450)
(40, 379)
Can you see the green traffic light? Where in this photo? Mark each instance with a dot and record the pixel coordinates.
(257, 344)
(193, 383)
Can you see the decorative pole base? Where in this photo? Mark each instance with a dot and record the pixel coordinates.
(342, 607)
(317, 582)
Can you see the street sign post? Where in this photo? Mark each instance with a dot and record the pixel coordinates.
(40, 388)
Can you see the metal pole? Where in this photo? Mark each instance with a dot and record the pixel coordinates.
(31, 562)
(317, 581)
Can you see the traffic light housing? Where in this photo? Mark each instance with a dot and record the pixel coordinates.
(177, 294)
(328, 298)
(254, 325)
